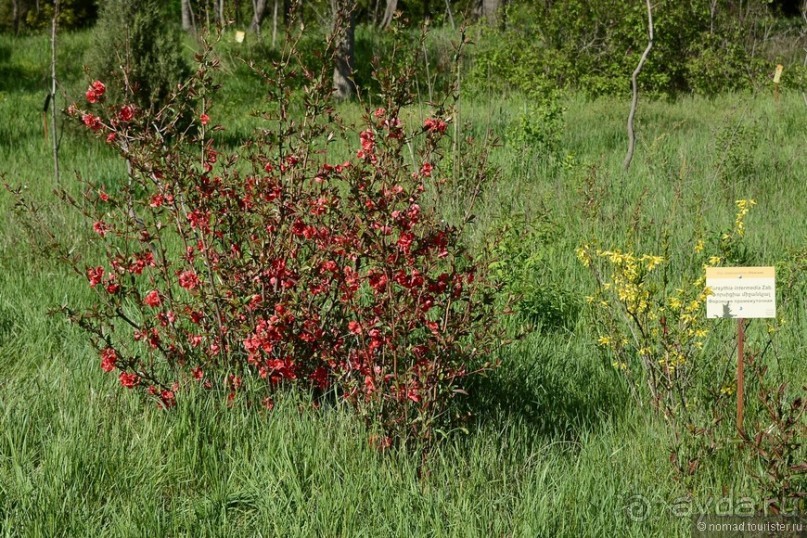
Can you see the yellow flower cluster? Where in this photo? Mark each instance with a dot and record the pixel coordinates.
(669, 327)
(629, 275)
(743, 207)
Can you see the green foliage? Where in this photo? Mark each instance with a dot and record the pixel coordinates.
(527, 277)
(34, 16)
(136, 43)
(595, 46)
(735, 143)
(539, 128)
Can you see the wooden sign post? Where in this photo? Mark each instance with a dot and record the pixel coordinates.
(741, 293)
(777, 77)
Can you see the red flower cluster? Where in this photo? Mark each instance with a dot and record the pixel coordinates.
(435, 125)
(188, 280)
(126, 113)
(152, 299)
(101, 228)
(108, 359)
(129, 380)
(95, 92)
(92, 122)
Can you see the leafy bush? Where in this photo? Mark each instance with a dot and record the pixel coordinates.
(37, 15)
(526, 277)
(137, 51)
(594, 47)
(540, 127)
(288, 262)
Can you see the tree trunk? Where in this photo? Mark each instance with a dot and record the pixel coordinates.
(389, 13)
(450, 15)
(274, 23)
(187, 16)
(489, 9)
(15, 16)
(258, 12)
(635, 88)
(220, 10)
(53, 111)
(343, 36)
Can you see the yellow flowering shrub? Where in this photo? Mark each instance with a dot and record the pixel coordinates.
(654, 331)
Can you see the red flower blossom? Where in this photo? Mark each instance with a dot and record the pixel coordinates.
(198, 374)
(199, 220)
(98, 87)
(435, 125)
(129, 380)
(112, 286)
(188, 280)
(101, 228)
(405, 241)
(378, 281)
(354, 327)
(168, 399)
(95, 92)
(126, 113)
(92, 122)
(95, 275)
(320, 377)
(205, 119)
(152, 299)
(108, 359)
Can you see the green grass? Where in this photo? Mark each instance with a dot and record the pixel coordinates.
(557, 447)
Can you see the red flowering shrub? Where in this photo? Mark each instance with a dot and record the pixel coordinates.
(285, 262)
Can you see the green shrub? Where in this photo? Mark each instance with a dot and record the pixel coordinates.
(135, 42)
(526, 277)
(37, 16)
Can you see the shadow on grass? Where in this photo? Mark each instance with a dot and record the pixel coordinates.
(16, 78)
(557, 396)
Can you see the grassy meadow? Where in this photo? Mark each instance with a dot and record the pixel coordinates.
(557, 446)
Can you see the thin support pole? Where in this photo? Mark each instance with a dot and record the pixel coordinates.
(740, 372)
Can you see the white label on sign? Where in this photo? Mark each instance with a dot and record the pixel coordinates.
(741, 292)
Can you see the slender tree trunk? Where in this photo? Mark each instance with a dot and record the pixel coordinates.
(375, 13)
(15, 15)
(635, 87)
(187, 16)
(53, 112)
(344, 28)
(489, 9)
(450, 15)
(389, 13)
(258, 12)
(220, 10)
(274, 23)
